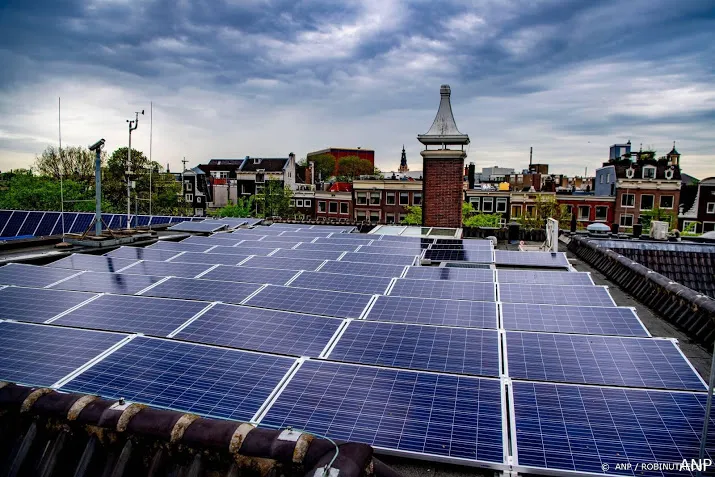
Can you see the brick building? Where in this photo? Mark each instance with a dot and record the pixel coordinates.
(385, 201)
(443, 169)
(341, 152)
(588, 208)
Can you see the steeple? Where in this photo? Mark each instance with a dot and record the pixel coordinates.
(403, 161)
(444, 130)
(673, 152)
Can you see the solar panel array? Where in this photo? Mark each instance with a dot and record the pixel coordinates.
(532, 370)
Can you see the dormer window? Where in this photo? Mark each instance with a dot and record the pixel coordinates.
(669, 174)
(256, 160)
(630, 172)
(648, 172)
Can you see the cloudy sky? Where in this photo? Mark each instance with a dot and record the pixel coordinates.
(265, 78)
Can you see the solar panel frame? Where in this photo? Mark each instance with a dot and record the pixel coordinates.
(309, 254)
(250, 275)
(37, 305)
(197, 227)
(587, 295)
(267, 244)
(34, 276)
(180, 246)
(283, 263)
(14, 223)
(312, 302)
(95, 263)
(330, 247)
(32, 221)
(363, 268)
(167, 269)
(209, 258)
(451, 255)
(138, 253)
(239, 249)
(47, 224)
(379, 258)
(100, 282)
(444, 289)
(399, 250)
(339, 282)
(433, 311)
(203, 290)
(4, 218)
(531, 259)
(450, 273)
(544, 277)
(66, 218)
(81, 223)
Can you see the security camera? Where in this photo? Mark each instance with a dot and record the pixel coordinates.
(97, 146)
(142, 112)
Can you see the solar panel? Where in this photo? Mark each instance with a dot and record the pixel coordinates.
(563, 295)
(262, 330)
(4, 217)
(430, 311)
(40, 355)
(304, 236)
(582, 428)
(340, 282)
(283, 263)
(611, 360)
(479, 246)
(401, 238)
(14, 223)
(217, 239)
(572, 319)
(447, 273)
(277, 238)
(195, 378)
(138, 314)
(139, 253)
(378, 258)
(531, 259)
(447, 289)
(210, 258)
(398, 249)
(314, 302)
(179, 246)
(309, 254)
(267, 244)
(24, 275)
(197, 227)
(31, 222)
(82, 223)
(95, 263)
(479, 256)
(117, 283)
(167, 269)
(47, 224)
(37, 304)
(250, 275)
(327, 247)
(417, 413)
(544, 277)
(359, 239)
(361, 268)
(241, 250)
(207, 290)
(159, 219)
(431, 348)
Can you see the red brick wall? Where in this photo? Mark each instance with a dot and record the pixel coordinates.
(442, 191)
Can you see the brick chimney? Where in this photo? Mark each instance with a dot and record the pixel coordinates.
(443, 168)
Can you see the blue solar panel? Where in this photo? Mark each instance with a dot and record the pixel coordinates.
(138, 314)
(544, 277)
(241, 250)
(31, 222)
(201, 379)
(95, 263)
(197, 227)
(352, 239)
(262, 330)
(304, 236)
(4, 217)
(211, 258)
(327, 247)
(415, 412)
(447, 289)
(449, 273)
(37, 304)
(378, 258)
(179, 246)
(283, 263)
(311, 254)
(288, 241)
(117, 283)
(479, 256)
(431, 348)
(611, 360)
(572, 319)
(250, 275)
(314, 302)
(207, 290)
(139, 253)
(267, 244)
(32, 275)
(64, 223)
(217, 239)
(402, 239)
(40, 355)
(82, 223)
(407, 249)
(142, 220)
(467, 245)
(340, 282)
(47, 224)
(119, 222)
(160, 219)
(582, 428)
(430, 311)
(167, 269)
(531, 259)
(366, 269)
(546, 295)
(14, 223)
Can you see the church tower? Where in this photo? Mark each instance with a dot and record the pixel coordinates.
(403, 161)
(443, 168)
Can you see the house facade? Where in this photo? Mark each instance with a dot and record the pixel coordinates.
(700, 218)
(385, 201)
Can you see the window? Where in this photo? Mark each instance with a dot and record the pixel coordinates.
(476, 202)
(404, 198)
(189, 197)
(306, 203)
(711, 208)
(402, 217)
(666, 201)
(375, 198)
(501, 205)
(361, 198)
(260, 178)
(390, 198)
(187, 186)
(417, 198)
(299, 203)
(530, 210)
(602, 176)
(584, 212)
(648, 172)
(333, 207)
(374, 216)
(708, 226)
(292, 203)
(390, 219)
(601, 212)
(628, 200)
(488, 205)
(515, 211)
(569, 209)
(321, 206)
(198, 199)
(691, 226)
(256, 160)
(344, 208)
(219, 174)
(647, 201)
(360, 214)
(626, 220)
(199, 212)
(259, 189)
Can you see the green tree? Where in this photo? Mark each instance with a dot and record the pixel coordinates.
(544, 207)
(351, 167)
(274, 200)
(414, 215)
(324, 166)
(657, 214)
(244, 207)
(28, 192)
(73, 163)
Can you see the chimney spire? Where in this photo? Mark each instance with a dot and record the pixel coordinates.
(444, 129)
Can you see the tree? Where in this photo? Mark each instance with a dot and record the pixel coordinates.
(73, 163)
(544, 207)
(324, 166)
(414, 215)
(352, 166)
(244, 207)
(657, 214)
(28, 192)
(275, 199)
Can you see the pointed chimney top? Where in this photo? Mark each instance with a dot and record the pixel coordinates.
(444, 129)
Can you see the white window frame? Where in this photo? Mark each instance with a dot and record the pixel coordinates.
(601, 178)
(322, 207)
(347, 208)
(259, 189)
(649, 168)
(299, 202)
(198, 199)
(490, 201)
(476, 202)
(647, 195)
(291, 203)
(605, 216)
(262, 176)
(187, 186)
(330, 207)
(375, 198)
(624, 216)
(686, 224)
(517, 208)
(579, 217)
(623, 200)
(501, 201)
(306, 203)
(706, 225)
(608, 178)
(710, 208)
(672, 200)
(361, 198)
(389, 218)
(417, 198)
(407, 195)
(401, 217)
(390, 198)
(256, 160)
(199, 212)
(189, 197)
(373, 212)
(360, 212)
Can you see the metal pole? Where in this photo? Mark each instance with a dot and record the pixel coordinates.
(129, 171)
(151, 166)
(708, 406)
(62, 194)
(98, 193)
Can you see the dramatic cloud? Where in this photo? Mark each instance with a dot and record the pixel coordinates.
(265, 78)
